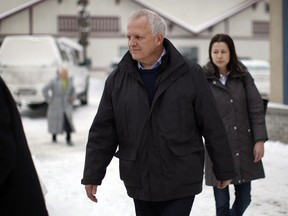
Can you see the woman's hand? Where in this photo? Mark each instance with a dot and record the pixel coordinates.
(258, 151)
(223, 184)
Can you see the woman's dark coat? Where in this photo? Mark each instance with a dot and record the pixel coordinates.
(20, 190)
(160, 146)
(241, 108)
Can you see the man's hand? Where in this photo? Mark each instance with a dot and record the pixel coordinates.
(223, 184)
(258, 151)
(91, 192)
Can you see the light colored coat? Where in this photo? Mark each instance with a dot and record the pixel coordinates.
(59, 102)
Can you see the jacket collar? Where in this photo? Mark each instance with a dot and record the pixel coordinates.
(211, 73)
(171, 61)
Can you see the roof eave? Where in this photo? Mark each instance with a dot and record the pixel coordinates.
(202, 27)
(19, 9)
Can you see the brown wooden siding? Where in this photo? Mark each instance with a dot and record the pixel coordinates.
(97, 24)
(260, 28)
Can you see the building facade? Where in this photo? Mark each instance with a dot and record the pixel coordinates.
(191, 24)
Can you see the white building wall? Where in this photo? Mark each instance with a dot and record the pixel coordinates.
(102, 49)
(241, 24)
(17, 24)
(254, 49)
(45, 20)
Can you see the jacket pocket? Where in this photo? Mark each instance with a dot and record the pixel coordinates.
(129, 168)
(126, 154)
(182, 148)
(130, 173)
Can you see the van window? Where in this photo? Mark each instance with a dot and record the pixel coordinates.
(75, 57)
(64, 55)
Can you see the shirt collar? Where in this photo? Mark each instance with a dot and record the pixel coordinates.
(155, 65)
(223, 78)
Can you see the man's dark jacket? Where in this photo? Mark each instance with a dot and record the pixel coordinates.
(159, 145)
(20, 190)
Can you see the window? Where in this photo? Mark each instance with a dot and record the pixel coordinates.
(97, 24)
(267, 7)
(104, 24)
(67, 23)
(261, 28)
(191, 53)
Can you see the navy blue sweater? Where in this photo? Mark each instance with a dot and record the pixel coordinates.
(149, 77)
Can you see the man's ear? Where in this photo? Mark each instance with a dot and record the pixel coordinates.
(159, 39)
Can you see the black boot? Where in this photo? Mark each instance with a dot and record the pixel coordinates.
(54, 138)
(68, 139)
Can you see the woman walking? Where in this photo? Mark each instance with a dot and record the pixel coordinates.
(241, 108)
(59, 94)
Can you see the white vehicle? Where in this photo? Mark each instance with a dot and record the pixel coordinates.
(260, 71)
(28, 62)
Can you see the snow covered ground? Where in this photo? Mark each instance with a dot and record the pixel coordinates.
(61, 167)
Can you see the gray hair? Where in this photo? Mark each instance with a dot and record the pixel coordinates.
(156, 22)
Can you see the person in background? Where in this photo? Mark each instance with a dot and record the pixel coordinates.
(153, 112)
(59, 94)
(20, 189)
(241, 108)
